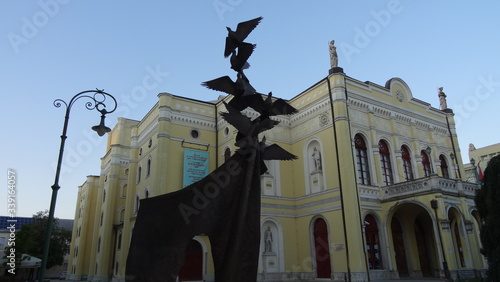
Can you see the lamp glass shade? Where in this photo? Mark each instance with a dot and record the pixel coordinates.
(101, 129)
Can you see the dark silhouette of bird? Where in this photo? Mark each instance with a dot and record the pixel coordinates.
(274, 152)
(238, 89)
(224, 84)
(239, 60)
(235, 38)
(267, 107)
(248, 130)
(227, 85)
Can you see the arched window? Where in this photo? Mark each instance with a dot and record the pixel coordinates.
(385, 163)
(426, 163)
(444, 167)
(102, 217)
(362, 160)
(148, 168)
(99, 244)
(104, 196)
(136, 204)
(139, 171)
(122, 215)
(124, 190)
(119, 243)
(146, 193)
(408, 170)
(372, 243)
(227, 154)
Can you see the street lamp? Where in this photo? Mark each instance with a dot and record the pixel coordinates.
(98, 102)
(434, 205)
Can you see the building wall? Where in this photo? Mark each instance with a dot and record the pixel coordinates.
(298, 196)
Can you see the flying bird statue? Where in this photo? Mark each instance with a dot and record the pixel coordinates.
(238, 89)
(239, 60)
(230, 217)
(268, 107)
(235, 38)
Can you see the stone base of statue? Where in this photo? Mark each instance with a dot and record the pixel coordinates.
(269, 262)
(336, 70)
(316, 181)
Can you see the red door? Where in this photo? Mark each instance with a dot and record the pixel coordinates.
(193, 263)
(321, 246)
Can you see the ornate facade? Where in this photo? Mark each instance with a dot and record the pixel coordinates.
(375, 194)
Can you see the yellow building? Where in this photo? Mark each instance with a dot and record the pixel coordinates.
(479, 157)
(377, 192)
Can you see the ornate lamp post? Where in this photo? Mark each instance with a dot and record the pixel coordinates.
(98, 102)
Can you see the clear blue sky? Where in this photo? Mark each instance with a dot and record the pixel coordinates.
(52, 49)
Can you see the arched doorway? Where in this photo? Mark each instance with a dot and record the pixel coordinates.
(399, 248)
(192, 270)
(322, 249)
(413, 240)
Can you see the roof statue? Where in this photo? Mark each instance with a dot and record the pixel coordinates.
(225, 205)
(334, 59)
(472, 147)
(442, 99)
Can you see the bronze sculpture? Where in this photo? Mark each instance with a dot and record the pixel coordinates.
(225, 205)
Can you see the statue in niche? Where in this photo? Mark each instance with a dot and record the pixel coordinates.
(442, 99)
(317, 159)
(334, 59)
(268, 240)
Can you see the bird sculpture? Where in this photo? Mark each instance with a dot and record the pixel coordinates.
(274, 152)
(268, 107)
(230, 217)
(239, 60)
(238, 89)
(235, 38)
(248, 129)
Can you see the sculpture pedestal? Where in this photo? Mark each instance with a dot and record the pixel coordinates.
(336, 70)
(316, 181)
(269, 262)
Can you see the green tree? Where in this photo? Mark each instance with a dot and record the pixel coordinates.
(489, 210)
(30, 240)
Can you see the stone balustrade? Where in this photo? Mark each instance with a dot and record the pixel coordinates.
(421, 186)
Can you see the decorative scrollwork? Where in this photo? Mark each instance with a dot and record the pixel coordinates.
(97, 101)
(59, 102)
